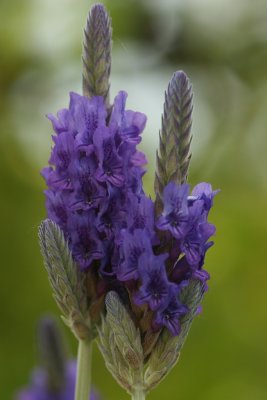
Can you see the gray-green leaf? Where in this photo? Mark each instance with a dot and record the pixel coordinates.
(66, 280)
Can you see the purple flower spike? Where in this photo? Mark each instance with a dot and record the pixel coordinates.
(95, 174)
(150, 249)
(131, 267)
(175, 212)
(96, 196)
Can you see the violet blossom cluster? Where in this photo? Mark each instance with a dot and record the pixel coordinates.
(95, 194)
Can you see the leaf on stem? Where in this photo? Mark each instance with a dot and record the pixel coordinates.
(66, 280)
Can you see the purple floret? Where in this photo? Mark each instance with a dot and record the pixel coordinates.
(156, 288)
(133, 246)
(193, 242)
(175, 213)
(86, 245)
(110, 167)
(203, 191)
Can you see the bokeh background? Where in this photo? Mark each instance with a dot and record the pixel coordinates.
(222, 45)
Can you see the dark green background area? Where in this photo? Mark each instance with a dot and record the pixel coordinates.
(223, 48)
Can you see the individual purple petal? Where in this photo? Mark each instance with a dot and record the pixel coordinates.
(135, 183)
(196, 212)
(57, 207)
(203, 191)
(191, 245)
(206, 231)
(46, 173)
(135, 119)
(194, 242)
(202, 276)
(61, 122)
(132, 126)
(118, 111)
(61, 157)
(129, 123)
(138, 159)
(62, 152)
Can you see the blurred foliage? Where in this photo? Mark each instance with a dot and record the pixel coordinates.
(222, 45)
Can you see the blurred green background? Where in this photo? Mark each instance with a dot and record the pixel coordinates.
(222, 45)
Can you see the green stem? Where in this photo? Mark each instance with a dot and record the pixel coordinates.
(138, 393)
(83, 377)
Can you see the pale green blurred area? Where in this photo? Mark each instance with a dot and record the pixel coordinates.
(222, 45)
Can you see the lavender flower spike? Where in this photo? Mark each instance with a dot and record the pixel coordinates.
(122, 265)
(55, 379)
(97, 53)
(174, 155)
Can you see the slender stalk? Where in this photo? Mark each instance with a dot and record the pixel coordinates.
(83, 377)
(138, 394)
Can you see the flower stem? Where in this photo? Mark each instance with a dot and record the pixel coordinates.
(83, 377)
(138, 394)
